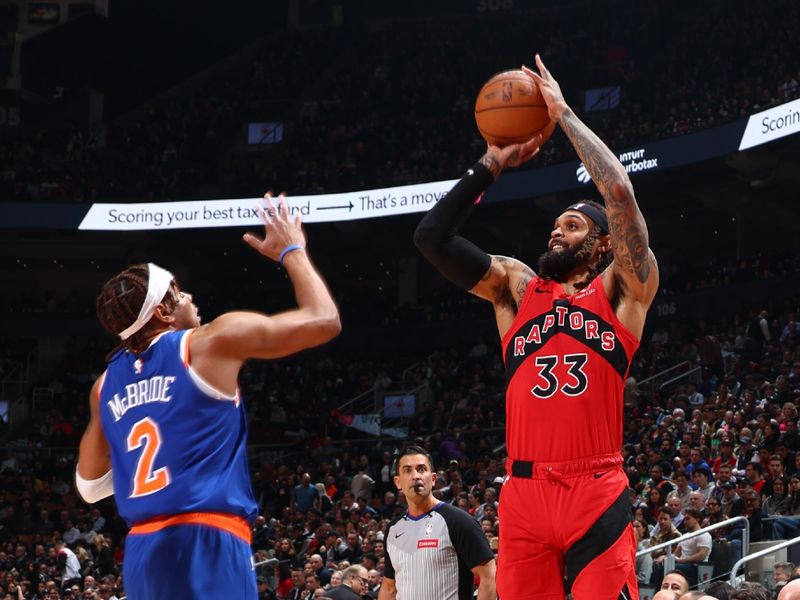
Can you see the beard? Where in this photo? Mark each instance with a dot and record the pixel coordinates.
(557, 264)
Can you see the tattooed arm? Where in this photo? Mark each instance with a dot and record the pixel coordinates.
(505, 282)
(504, 285)
(632, 280)
(498, 279)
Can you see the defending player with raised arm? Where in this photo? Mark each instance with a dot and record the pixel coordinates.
(167, 416)
(567, 349)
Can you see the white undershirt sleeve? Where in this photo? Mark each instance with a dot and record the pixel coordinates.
(92, 490)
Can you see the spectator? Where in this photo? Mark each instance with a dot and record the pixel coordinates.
(675, 508)
(793, 504)
(719, 589)
(714, 515)
(694, 550)
(675, 581)
(725, 457)
(305, 496)
(724, 475)
(682, 489)
(644, 563)
(751, 591)
(657, 481)
(320, 570)
(783, 572)
(702, 481)
(776, 503)
(374, 578)
(312, 584)
(298, 586)
(665, 532)
(732, 504)
(698, 502)
(68, 562)
(754, 474)
(745, 452)
(355, 584)
(352, 552)
(362, 484)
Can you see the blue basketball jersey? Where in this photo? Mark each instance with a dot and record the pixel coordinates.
(177, 444)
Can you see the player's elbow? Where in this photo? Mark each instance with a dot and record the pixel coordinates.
(622, 189)
(421, 236)
(325, 327)
(333, 326)
(94, 490)
(426, 238)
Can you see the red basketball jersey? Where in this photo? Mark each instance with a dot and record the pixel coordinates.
(567, 358)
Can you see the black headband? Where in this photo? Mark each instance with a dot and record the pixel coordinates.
(595, 214)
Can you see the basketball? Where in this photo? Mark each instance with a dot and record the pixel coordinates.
(510, 110)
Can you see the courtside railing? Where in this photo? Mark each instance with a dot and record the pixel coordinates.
(669, 560)
(745, 559)
(685, 365)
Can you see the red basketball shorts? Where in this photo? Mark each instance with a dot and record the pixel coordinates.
(566, 528)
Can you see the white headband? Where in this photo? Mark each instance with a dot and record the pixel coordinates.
(158, 283)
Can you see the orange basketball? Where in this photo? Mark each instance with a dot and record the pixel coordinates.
(510, 110)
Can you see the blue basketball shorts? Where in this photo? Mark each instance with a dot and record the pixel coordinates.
(188, 562)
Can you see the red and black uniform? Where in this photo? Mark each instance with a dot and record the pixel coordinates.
(565, 511)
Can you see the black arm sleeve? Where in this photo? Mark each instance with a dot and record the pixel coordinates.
(458, 259)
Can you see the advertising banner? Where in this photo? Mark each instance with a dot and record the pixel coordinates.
(760, 128)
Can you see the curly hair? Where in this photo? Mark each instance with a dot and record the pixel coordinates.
(120, 301)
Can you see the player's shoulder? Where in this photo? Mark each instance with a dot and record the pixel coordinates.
(512, 265)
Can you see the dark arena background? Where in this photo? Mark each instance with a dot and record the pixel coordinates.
(111, 108)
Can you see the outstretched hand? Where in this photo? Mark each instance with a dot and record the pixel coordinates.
(280, 229)
(548, 86)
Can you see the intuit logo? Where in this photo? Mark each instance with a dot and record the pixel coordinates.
(634, 161)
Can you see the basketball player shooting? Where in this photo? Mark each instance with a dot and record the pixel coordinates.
(568, 333)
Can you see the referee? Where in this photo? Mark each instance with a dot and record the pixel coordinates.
(435, 549)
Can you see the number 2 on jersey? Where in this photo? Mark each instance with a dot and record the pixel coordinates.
(574, 387)
(145, 480)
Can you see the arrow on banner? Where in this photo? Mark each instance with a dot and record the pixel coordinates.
(348, 206)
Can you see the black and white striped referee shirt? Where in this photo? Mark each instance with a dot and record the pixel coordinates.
(430, 556)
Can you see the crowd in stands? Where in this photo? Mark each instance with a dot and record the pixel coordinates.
(369, 296)
(389, 107)
(393, 105)
(716, 446)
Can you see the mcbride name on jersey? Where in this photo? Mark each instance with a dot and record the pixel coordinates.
(177, 444)
(566, 359)
(155, 389)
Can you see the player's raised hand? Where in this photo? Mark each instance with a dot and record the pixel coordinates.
(280, 229)
(496, 158)
(548, 86)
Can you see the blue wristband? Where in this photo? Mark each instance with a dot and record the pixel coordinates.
(289, 248)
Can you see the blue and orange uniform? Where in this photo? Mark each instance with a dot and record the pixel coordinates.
(181, 478)
(566, 359)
